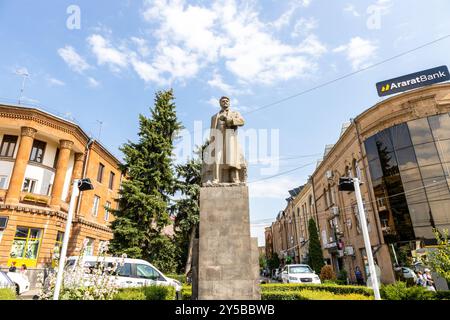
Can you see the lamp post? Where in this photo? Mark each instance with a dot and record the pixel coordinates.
(78, 185)
(352, 184)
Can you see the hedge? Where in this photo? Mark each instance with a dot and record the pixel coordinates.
(7, 294)
(146, 293)
(186, 292)
(307, 294)
(333, 288)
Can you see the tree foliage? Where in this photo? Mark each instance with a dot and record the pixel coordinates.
(439, 259)
(315, 250)
(187, 210)
(145, 194)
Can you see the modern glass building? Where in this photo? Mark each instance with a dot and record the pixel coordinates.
(410, 170)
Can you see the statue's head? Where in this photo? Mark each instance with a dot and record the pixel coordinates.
(224, 103)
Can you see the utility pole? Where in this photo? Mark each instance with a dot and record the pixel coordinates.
(352, 184)
(78, 185)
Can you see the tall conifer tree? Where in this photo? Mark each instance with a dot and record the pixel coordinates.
(315, 250)
(145, 194)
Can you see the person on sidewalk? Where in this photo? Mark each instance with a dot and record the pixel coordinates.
(359, 276)
(13, 267)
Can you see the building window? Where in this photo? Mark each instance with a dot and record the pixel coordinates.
(8, 146)
(57, 248)
(101, 168)
(89, 247)
(111, 180)
(95, 206)
(55, 162)
(107, 210)
(3, 181)
(37, 152)
(29, 185)
(26, 244)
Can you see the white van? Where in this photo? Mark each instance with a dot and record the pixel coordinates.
(133, 272)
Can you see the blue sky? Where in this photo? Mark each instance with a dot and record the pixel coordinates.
(257, 52)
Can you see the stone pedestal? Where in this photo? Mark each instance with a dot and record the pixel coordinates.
(228, 264)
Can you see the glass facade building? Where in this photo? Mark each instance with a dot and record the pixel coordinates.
(410, 171)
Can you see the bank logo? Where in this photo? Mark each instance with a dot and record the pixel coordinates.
(413, 80)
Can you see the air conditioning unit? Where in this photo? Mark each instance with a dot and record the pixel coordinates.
(302, 240)
(329, 174)
(349, 251)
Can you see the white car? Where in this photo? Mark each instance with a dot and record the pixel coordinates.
(20, 282)
(299, 273)
(133, 272)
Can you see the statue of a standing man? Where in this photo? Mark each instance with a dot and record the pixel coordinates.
(223, 158)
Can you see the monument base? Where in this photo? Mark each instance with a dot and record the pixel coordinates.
(228, 262)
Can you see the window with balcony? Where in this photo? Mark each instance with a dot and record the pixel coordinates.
(8, 146)
(29, 185)
(89, 247)
(111, 180)
(37, 151)
(101, 168)
(95, 206)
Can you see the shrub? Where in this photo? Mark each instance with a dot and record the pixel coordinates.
(130, 294)
(443, 295)
(342, 277)
(400, 291)
(186, 292)
(159, 293)
(178, 277)
(333, 288)
(146, 293)
(327, 273)
(310, 295)
(7, 294)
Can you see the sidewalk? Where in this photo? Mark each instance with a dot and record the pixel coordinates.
(28, 295)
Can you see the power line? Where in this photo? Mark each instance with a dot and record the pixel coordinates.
(347, 75)
(282, 173)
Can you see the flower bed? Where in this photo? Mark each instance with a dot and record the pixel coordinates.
(7, 294)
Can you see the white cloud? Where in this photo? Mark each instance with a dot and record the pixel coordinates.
(359, 52)
(56, 82)
(73, 59)
(93, 83)
(277, 188)
(351, 9)
(218, 83)
(304, 26)
(106, 54)
(142, 46)
(383, 7)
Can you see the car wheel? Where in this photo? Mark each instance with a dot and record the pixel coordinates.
(17, 289)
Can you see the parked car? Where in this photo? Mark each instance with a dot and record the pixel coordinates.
(299, 273)
(133, 272)
(15, 280)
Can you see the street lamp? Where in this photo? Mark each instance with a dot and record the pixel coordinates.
(352, 184)
(78, 186)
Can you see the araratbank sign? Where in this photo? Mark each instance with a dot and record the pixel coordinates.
(413, 80)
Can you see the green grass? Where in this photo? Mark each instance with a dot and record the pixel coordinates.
(146, 293)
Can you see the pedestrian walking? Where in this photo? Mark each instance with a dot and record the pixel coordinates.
(429, 280)
(13, 267)
(359, 276)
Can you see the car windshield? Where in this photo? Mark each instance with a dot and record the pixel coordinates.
(299, 269)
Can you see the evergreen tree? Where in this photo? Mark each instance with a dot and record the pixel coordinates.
(187, 210)
(145, 194)
(315, 250)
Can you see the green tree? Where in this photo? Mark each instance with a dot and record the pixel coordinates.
(273, 262)
(315, 250)
(439, 259)
(145, 194)
(187, 211)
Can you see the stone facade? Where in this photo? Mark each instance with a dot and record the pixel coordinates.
(41, 154)
(336, 212)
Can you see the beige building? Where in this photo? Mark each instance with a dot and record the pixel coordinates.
(40, 155)
(400, 150)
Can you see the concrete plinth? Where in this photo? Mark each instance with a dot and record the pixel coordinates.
(228, 256)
